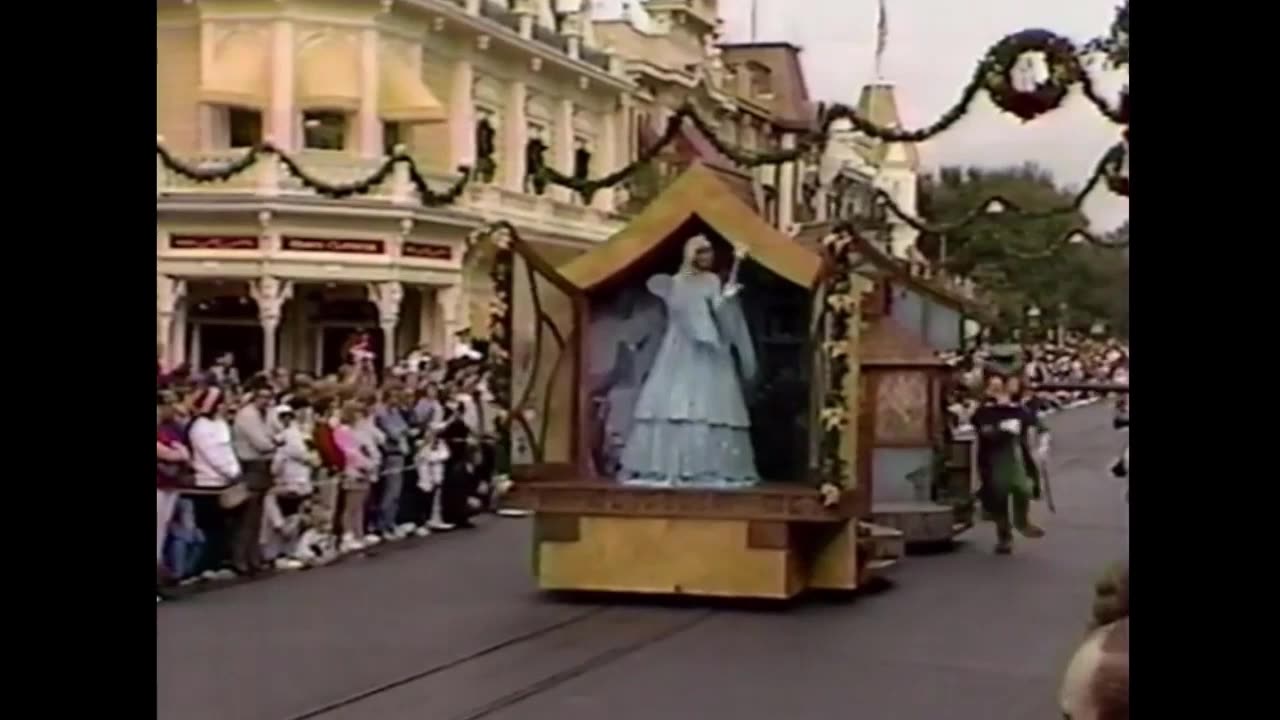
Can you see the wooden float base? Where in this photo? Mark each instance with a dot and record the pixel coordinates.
(766, 543)
(921, 523)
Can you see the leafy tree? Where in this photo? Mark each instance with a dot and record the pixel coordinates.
(1009, 257)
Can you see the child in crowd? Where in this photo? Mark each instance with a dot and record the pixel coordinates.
(432, 455)
(293, 466)
(357, 477)
(185, 542)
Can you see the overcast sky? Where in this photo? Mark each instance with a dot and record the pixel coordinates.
(931, 51)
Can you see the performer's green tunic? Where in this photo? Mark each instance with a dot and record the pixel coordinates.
(1005, 465)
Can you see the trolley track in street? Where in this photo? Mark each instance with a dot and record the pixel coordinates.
(488, 681)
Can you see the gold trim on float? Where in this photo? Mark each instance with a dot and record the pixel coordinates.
(698, 191)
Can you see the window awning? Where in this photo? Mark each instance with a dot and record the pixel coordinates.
(403, 96)
(328, 75)
(239, 73)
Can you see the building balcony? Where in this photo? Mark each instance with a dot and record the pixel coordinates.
(518, 20)
(267, 179)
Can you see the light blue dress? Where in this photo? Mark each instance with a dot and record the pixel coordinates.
(691, 425)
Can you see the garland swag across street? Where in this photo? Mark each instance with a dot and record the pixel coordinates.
(363, 186)
(993, 74)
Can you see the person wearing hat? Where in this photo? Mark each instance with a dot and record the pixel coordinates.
(294, 461)
(1009, 475)
(215, 465)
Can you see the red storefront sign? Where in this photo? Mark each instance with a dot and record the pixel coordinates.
(213, 242)
(333, 245)
(427, 251)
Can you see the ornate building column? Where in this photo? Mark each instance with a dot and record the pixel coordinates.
(607, 153)
(271, 293)
(388, 296)
(451, 317)
(462, 115)
(178, 334)
(562, 147)
(516, 132)
(368, 122)
(281, 118)
(787, 187)
(169, 292)
(526, 13)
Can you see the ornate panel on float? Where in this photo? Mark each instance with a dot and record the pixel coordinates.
(544, 361)
(902, 408)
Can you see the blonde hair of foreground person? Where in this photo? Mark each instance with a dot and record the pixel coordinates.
(1096, 685)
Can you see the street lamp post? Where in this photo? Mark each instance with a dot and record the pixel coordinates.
(1033, 321)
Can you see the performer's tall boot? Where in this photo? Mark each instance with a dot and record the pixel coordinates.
(1022, 518)
(1004, 536)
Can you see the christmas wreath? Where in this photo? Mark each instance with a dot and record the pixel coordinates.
(1064, 71)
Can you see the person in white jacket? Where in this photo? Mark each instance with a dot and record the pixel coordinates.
(294, 460)
(213, 458)
(215, 466)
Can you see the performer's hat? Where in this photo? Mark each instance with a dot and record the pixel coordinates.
(1004, 360)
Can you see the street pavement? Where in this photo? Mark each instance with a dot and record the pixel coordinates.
(452, 628)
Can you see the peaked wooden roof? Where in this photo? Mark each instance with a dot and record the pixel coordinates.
(698, 192)
(880, 263)
(886, 343)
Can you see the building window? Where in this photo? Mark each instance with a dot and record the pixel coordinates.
(761, 81)
(244, 127)
(486, 146)
(581, 158)
(535, 150)
(393, 134)
(324, 130)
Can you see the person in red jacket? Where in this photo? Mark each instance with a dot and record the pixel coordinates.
(324, 503)
(173, 471)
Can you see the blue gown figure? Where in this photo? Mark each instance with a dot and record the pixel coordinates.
(691, 424)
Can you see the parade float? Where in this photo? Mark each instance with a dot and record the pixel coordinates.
(572, 347)
(922, 472)
(569, 348)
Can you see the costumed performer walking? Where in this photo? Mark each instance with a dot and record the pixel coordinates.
(1009, 474)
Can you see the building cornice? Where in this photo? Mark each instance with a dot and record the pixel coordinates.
(510, 37)
(462, 216)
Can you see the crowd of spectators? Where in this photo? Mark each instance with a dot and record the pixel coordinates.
(1076, 361)
(285, 470)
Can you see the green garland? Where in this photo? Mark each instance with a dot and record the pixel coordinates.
(502, 236)
(992, 75)
(1064, 71)
(364, 186)
(1107, 170)
(841, 306)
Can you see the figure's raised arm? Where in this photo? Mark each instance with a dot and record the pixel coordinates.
(660, 285)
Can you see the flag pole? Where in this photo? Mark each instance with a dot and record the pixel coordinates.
(882, 37)
(755, 18)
